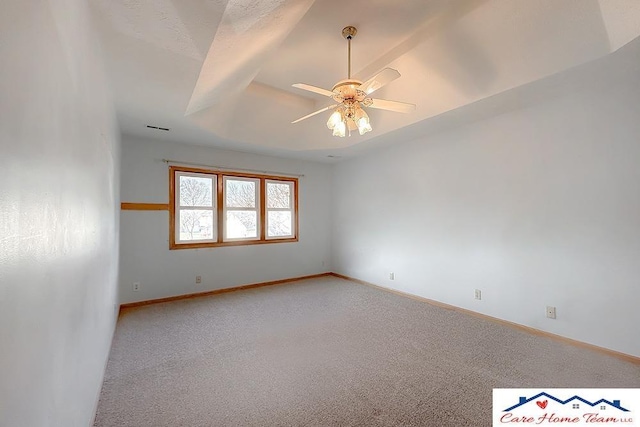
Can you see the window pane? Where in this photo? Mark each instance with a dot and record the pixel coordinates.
(241, 224)
(279, 223)
(195, 191)
(196, 224)
(240, 194)
(278, 195)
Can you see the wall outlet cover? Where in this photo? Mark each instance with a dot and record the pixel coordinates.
(551, 312)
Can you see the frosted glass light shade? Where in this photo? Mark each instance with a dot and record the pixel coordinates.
(334, 119)
(340, 129)
(364, 126)
(362, 121)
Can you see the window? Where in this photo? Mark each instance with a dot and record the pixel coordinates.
(241, 204)
(212, 208)
(195, 207)
(280, 209)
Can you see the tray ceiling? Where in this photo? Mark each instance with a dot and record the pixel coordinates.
(220, 72)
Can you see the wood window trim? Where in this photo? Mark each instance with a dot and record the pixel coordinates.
(130, 206)
(220, 207)
(256, 208)
(267, 209)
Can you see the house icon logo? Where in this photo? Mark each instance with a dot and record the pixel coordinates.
(577, 407)
(542, 400)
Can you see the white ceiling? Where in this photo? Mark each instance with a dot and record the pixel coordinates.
(219, 72)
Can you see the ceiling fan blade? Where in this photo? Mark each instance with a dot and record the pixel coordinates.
(400, 107)
(322, 110)
(314, 89)
(376, 82)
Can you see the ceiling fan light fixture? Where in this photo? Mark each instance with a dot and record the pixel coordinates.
(362, 121)
(352, 95)
(334, 119)
(340, 129)
(364, 126)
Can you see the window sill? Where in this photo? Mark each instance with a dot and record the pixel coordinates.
(173, 246)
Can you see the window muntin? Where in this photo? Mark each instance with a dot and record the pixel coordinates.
(195, 207)
(232, 209)
(279, 209)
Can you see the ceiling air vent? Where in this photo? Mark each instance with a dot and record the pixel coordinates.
(159, 128)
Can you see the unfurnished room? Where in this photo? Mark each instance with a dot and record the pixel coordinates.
(319, 213)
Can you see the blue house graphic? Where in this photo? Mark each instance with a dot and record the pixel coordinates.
(524, 400)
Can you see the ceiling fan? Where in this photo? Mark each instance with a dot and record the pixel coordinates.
(352, 95)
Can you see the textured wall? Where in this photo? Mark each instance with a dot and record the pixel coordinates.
(535, 207)
(145, 256)
(59, 156)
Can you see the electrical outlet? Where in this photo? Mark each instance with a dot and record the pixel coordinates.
(551, 312)
(198, 279)
(478, 294)
(136, 286)
(392, 276)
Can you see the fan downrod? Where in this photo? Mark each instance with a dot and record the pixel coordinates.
(349, 33)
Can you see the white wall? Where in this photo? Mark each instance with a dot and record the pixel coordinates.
(59, 155)
(539, 206)
(145, 256)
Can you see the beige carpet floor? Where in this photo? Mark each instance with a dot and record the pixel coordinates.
(328, 352)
